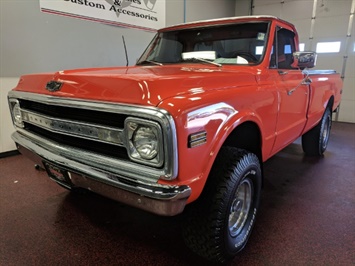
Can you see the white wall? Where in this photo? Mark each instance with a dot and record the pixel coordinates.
(208, 9)
(180, 11)
(331, 24)
(242, 7)
(32, 42)
(6, 127)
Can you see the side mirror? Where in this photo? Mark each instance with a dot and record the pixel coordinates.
(304, 59)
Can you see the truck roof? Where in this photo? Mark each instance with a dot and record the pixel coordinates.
(223, 21)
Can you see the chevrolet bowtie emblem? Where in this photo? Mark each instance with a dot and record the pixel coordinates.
(53, 86)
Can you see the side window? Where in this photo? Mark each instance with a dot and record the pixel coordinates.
(283, 49)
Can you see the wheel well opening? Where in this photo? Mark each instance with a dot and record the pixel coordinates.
(246, 136)
(331, 103)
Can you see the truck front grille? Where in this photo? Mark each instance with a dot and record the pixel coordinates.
(76, 127)
(84, 144)
(75, 114)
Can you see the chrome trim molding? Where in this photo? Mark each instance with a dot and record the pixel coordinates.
(152, 197)
(12, 104)
(90, 159)
(68, 127)
(158, 160)
(197, 139)
(136, 170)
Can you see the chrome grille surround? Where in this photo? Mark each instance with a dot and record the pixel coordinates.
(93, 131)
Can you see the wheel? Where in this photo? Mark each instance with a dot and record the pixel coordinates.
(219, 223)
(315, 141)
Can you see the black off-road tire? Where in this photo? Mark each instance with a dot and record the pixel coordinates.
(315, 141)
(219, 223)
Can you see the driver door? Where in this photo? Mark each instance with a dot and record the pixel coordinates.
(292, 94)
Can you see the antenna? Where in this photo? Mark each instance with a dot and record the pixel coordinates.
(125, 50)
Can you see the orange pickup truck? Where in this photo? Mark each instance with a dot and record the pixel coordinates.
(189, 124)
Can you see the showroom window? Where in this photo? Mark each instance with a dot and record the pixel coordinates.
(328, 47)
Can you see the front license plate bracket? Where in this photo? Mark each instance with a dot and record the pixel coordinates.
(57, 173)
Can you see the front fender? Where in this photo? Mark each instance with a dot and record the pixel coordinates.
(218, 121)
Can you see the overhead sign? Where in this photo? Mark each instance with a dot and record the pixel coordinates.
(141, 14)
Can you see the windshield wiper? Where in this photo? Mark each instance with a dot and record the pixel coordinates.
(205, 61)
(150, 62)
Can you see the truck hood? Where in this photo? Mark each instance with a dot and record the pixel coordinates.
(142, 85)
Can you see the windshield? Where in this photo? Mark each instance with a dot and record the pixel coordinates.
(237, 44)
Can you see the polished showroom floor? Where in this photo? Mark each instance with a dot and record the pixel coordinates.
(307, 217)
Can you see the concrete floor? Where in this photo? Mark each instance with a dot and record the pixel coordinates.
(307, 217)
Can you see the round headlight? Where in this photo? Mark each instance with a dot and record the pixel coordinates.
(146, 142)
(16, 112)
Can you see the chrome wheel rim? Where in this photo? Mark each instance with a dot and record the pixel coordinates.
(325, 133)
(240, 207)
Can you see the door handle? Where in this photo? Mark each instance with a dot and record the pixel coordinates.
(291, 91)
(281, 72)
(305, 81)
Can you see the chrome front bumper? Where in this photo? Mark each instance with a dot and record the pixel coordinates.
(152, 197)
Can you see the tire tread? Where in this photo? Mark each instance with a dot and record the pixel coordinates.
(202, 229)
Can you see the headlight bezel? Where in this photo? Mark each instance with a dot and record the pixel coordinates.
(131, 126)
(15, 109)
